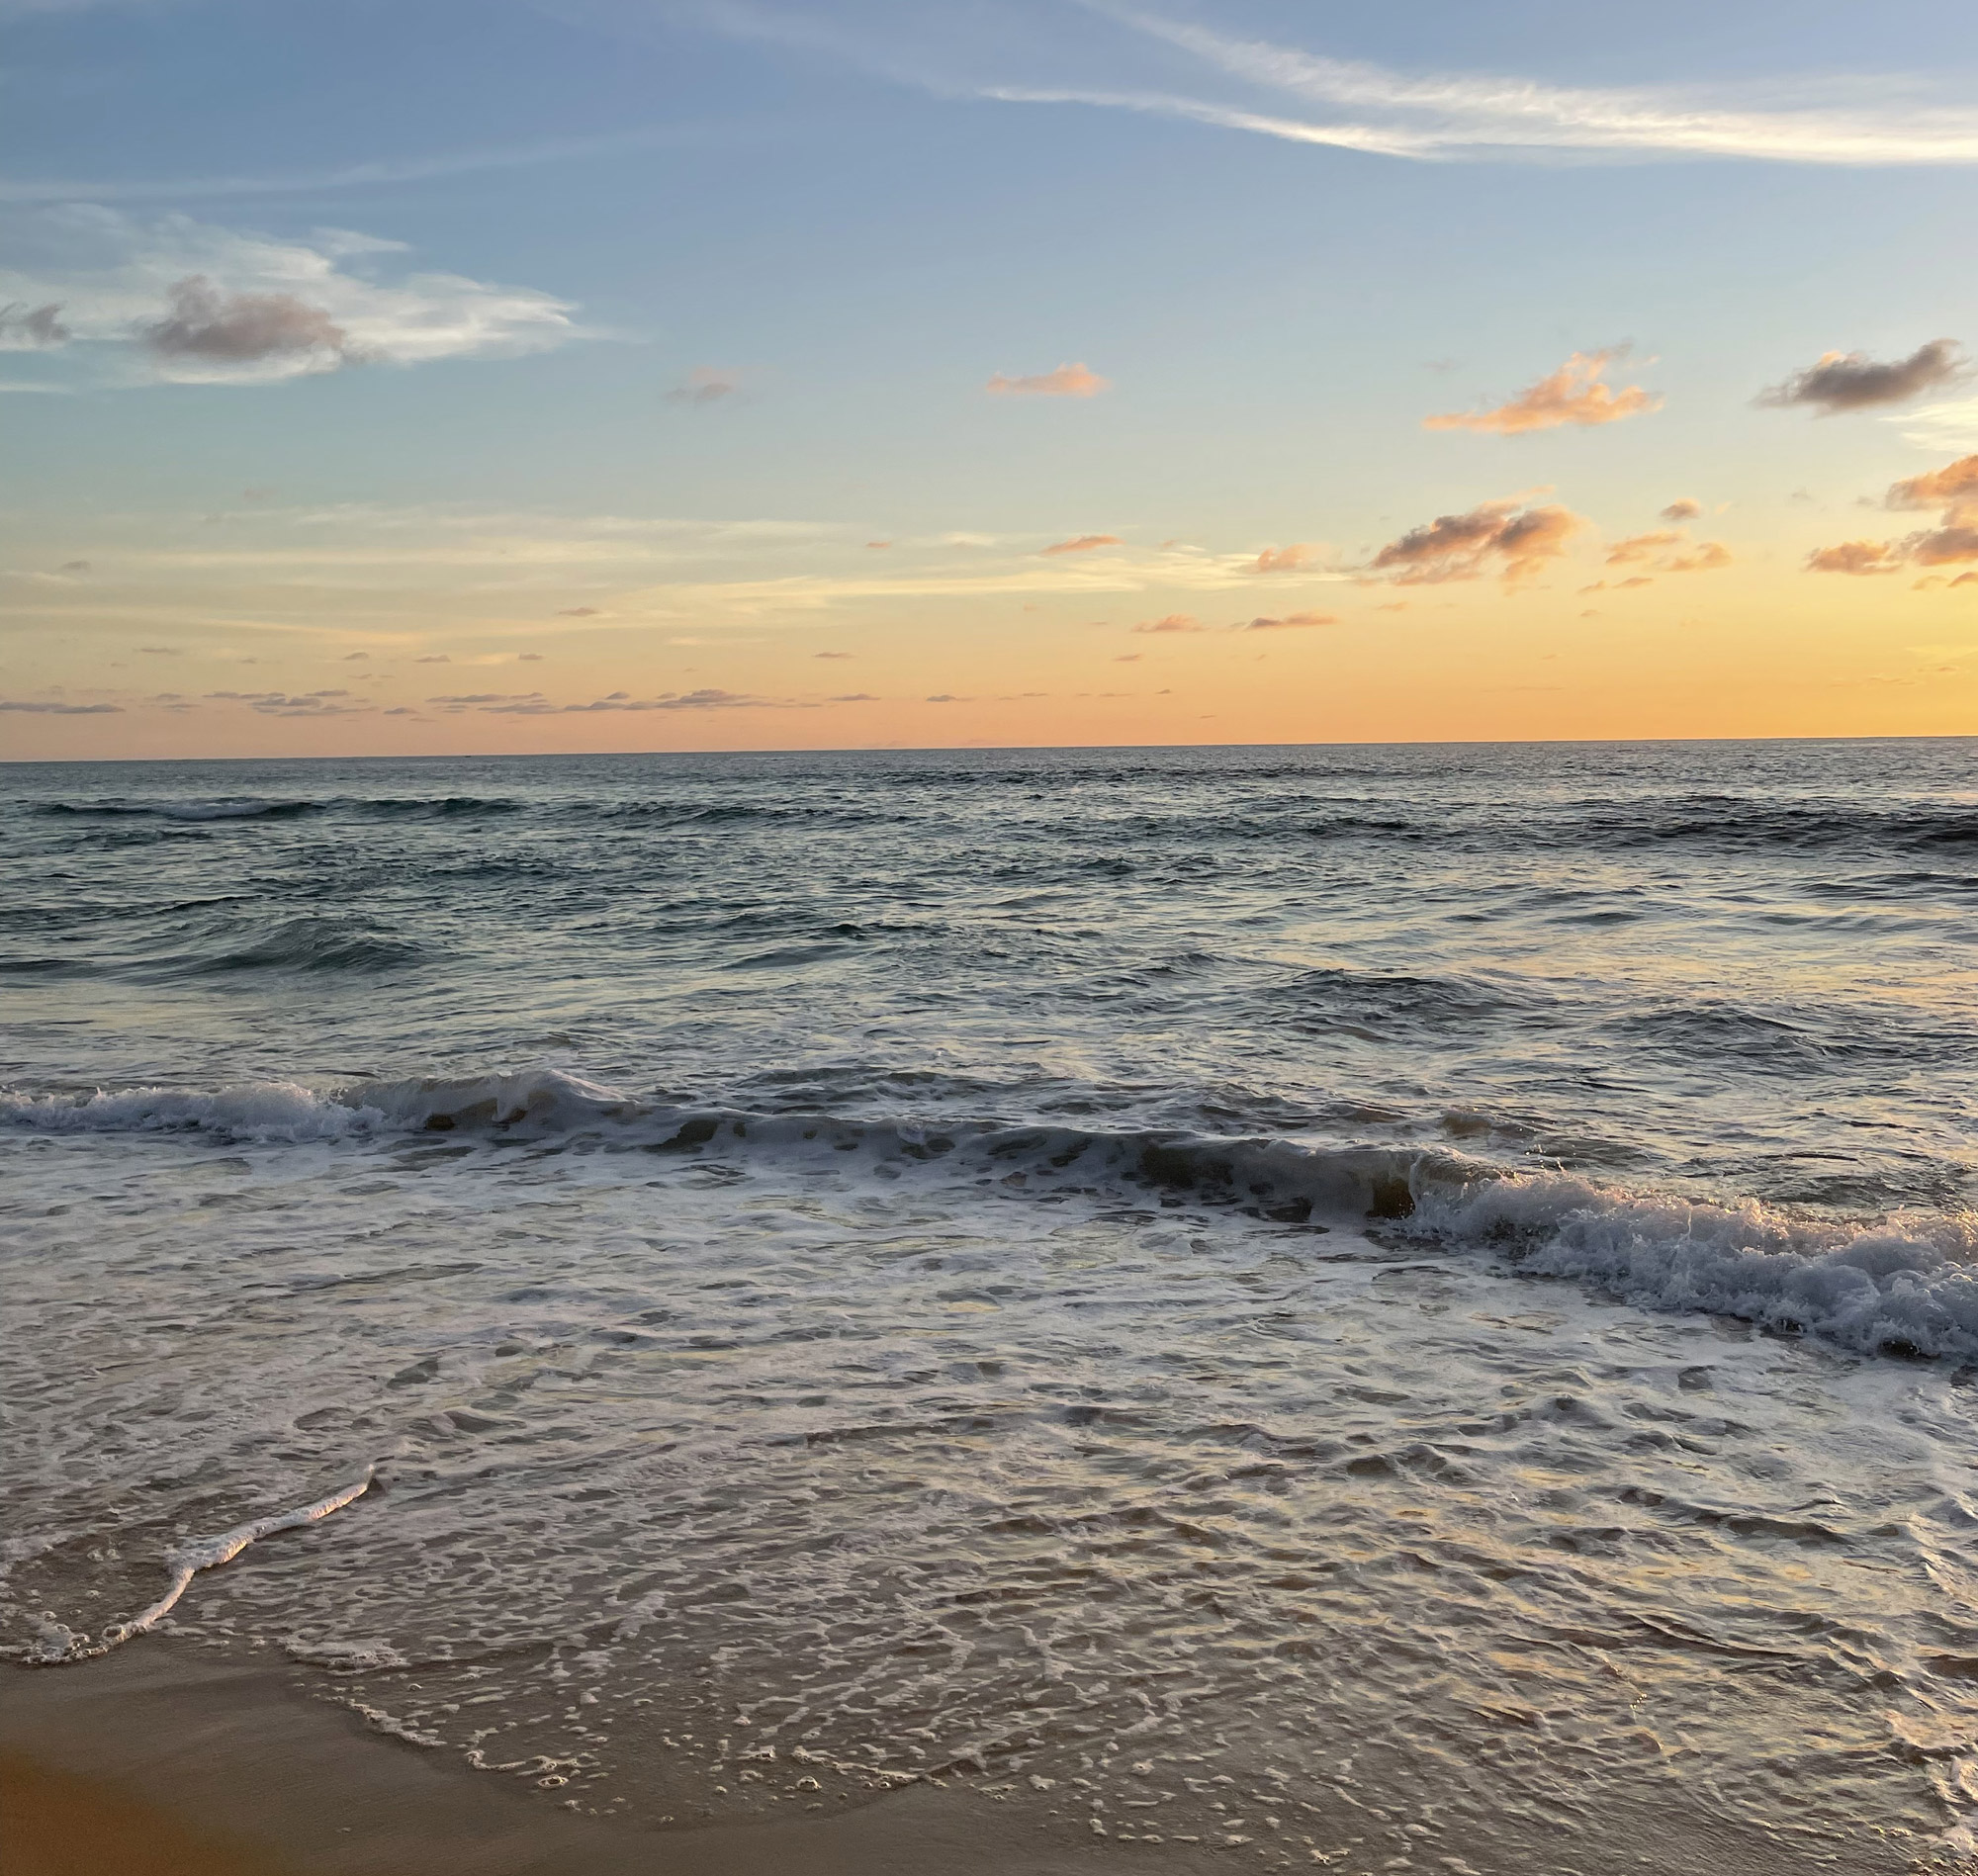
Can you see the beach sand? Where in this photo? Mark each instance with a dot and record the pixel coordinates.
(159, 1761)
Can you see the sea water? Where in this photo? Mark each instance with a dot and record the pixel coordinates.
(1333, 1304)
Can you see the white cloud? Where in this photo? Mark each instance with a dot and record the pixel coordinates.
(362, 175)
(1864, 119)
(1444, 114)
(1942, 426)
(187, 302)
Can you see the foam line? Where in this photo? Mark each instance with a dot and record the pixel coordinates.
(209, 1554)
(1904, 1284)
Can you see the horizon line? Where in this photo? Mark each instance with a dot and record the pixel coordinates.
(988, 748)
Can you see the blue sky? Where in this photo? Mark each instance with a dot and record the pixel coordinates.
(608, 336)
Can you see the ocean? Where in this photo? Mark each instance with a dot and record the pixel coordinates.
(1336, 1305)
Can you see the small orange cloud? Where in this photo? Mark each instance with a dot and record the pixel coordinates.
(1683, 508)
(1291, 622)
(1174, 622)
(1575, 393)
(1857, 557)
(1519, 541)
(1286, 559)
(1083, 544)
(1707, 559)
(1640, 545)
(1068, 381)
(877, 546)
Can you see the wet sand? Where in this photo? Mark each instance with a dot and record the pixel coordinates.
(153, 1761)
(158, 1761)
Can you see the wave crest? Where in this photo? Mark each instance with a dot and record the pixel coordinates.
(1905, 1286)
(248, 808)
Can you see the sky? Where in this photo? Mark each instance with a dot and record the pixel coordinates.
(535, 376)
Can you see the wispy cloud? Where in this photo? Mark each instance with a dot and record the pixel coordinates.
(707, 699)
(1287, 560)
(1082, 544)
(277, 704)
(489, 697)
(34, 707)
(1068, 381)
(1300, 95)
(1942, 426)
(1445, 115)
(1577, 393)
(371, 174)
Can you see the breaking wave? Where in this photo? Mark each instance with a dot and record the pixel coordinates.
(1904, 1285)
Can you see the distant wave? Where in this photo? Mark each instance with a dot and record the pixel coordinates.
(699, 813)
(243, 809)
(1723, 823)
(299, 944)
(1735, 822)
(252, 807)
(430, 808)
(1905, 1286)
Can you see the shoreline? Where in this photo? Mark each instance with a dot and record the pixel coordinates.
(160, 1761)
(172, 1763)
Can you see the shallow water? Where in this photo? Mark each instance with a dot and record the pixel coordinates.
(1220, 1290)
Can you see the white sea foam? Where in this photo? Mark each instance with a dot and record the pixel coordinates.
(976, 1519)
(274, 1111)
(544, 1099)
(61, 1645)
(289, 1111)
(1904, 1284)
(1907, 1285)
(364, 1655)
